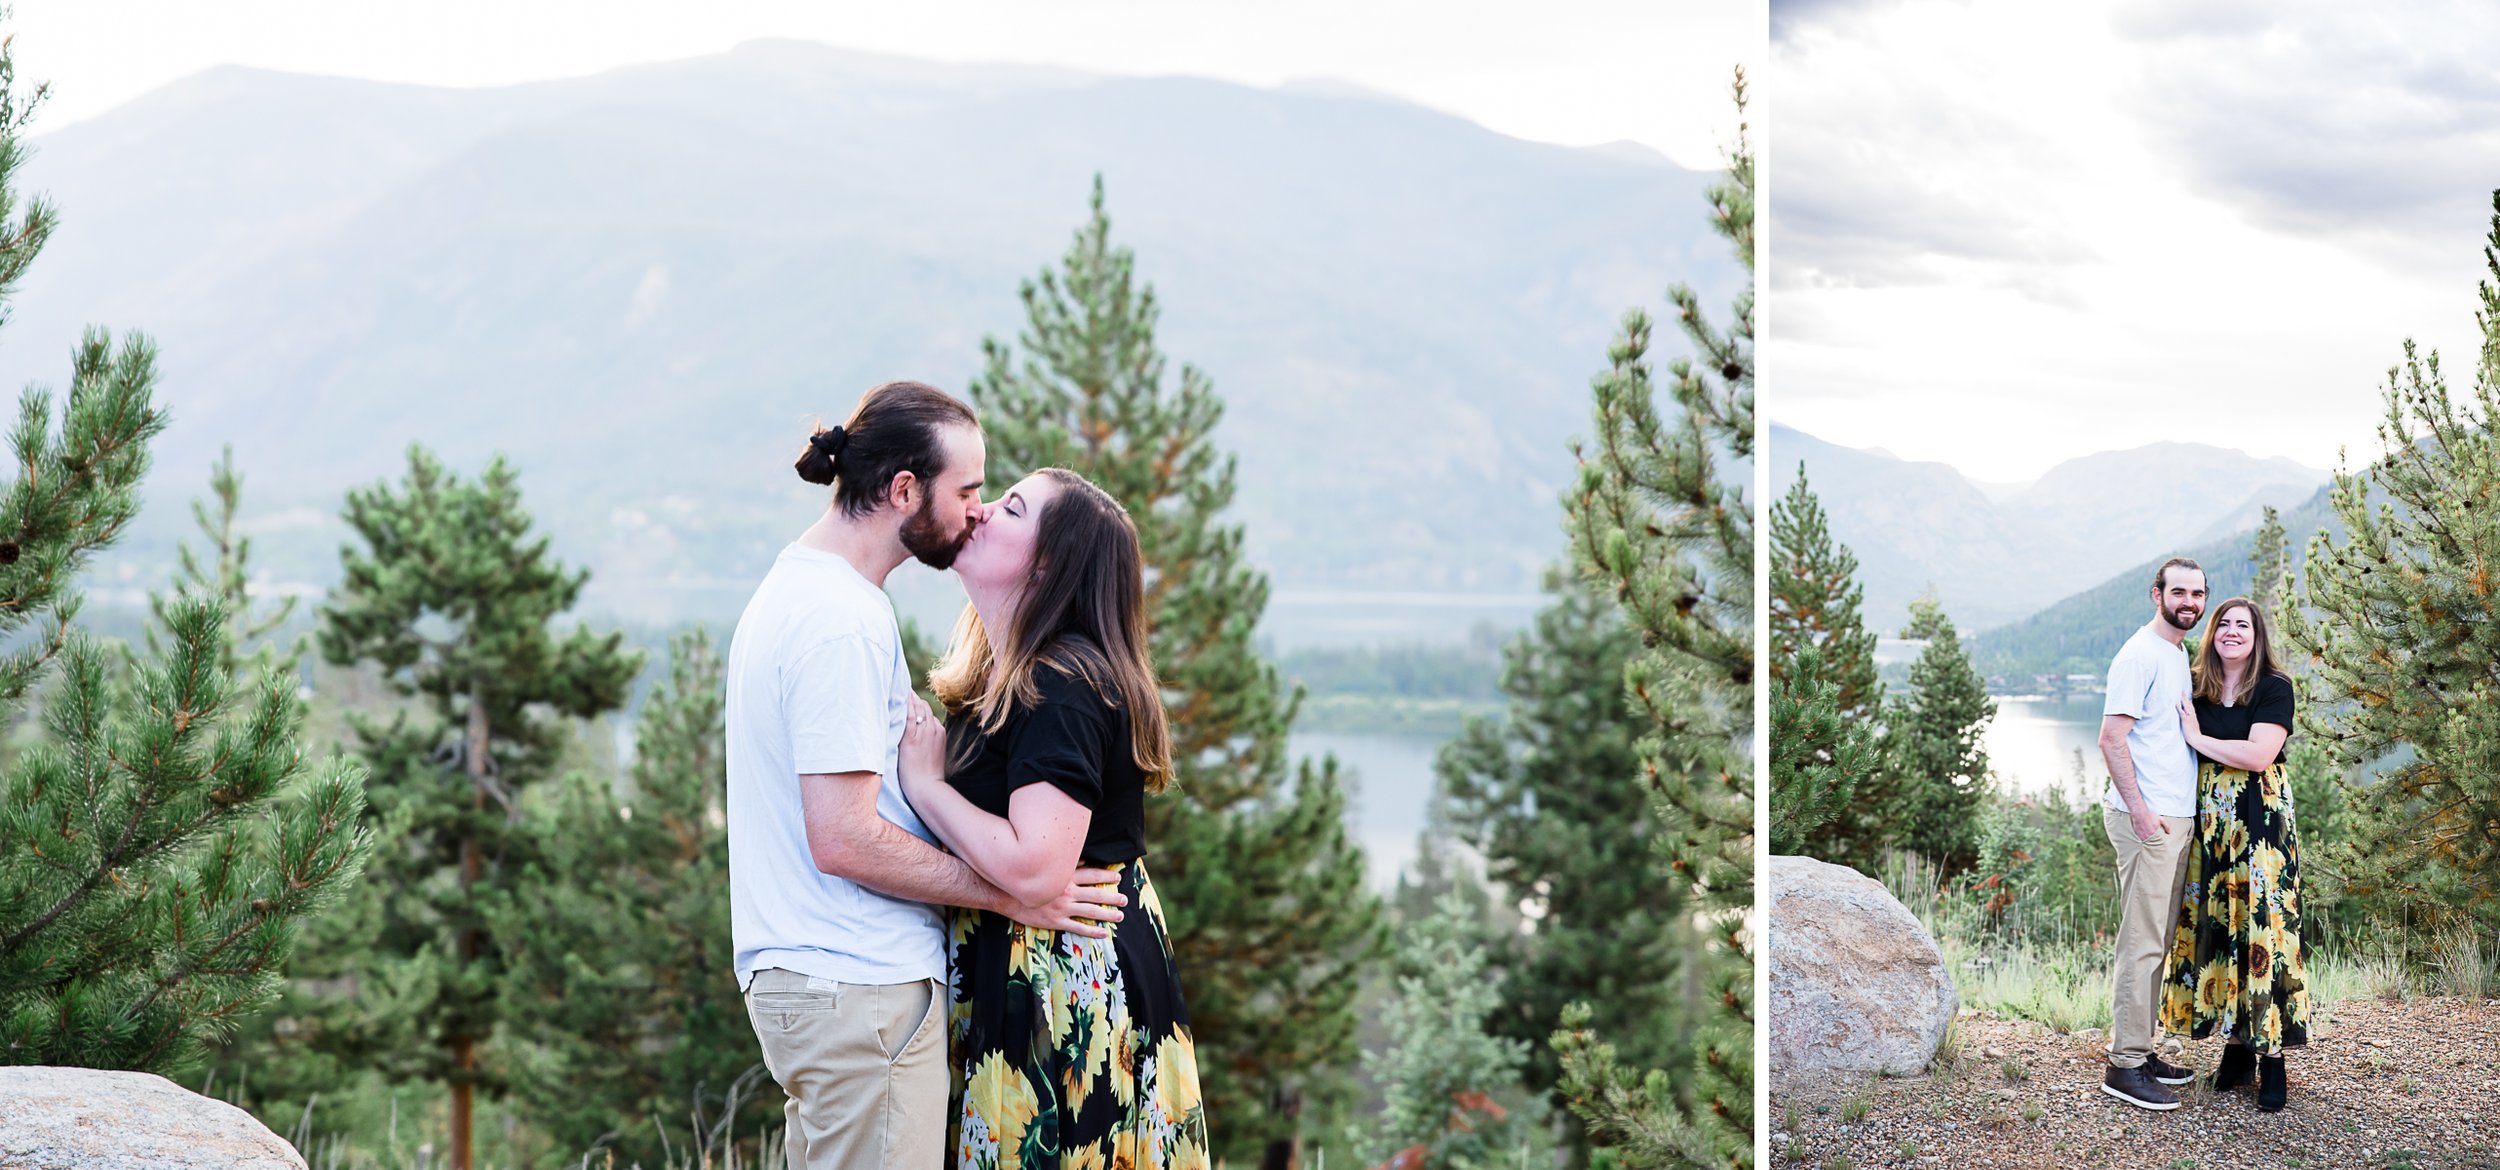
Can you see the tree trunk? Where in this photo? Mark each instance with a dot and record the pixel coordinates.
(1285, 1153)
(464, 1047)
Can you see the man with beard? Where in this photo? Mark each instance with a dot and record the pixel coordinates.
(2150, 815)
(831, 875)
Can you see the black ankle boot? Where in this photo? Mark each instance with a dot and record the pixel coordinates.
(2236, 1067)
(2271, 1087)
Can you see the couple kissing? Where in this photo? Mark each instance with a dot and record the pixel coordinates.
(944, 930)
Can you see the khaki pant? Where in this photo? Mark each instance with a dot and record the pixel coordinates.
(864, 1065)
(2149, 877)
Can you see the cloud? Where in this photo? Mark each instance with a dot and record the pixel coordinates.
(1788, 15)
(1863, 226)
(2098, 224)
(2325, 117)
(1892, 168)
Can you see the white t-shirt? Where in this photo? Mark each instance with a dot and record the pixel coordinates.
(2147, 680)
(817, 684)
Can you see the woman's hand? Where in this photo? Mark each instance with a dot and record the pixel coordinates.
(2187, 718)
(924, 748)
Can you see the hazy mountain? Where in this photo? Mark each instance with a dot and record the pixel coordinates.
(2152, 499)
(2078, 634)
(1997, 552)
(643, 285)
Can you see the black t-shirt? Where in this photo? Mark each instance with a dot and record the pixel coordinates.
(2271, 704)
(1073, 739)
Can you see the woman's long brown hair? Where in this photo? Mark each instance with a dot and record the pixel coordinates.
(1084, 612)
(2261, 657)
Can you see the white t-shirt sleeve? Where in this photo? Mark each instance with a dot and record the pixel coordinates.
(834, 704)
(2131, 678)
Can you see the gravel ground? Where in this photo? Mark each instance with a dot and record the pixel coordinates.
(2389, 1086)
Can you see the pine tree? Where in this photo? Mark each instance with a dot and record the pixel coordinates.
(1262, 888)
(2271, 583)
(1654, 520)
(1444, 1073)
(1824, 785)
(228, 577)
(1541, 795)
(161, 845)
(1814, 601)
(453, 601)
(1937, 739)
(1822, 761)
(622, 943)
(1926, 617)
(2402, 628)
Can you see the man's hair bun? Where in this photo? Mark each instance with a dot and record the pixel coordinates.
(823, 454)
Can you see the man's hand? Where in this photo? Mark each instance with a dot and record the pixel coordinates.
(2148, 828)
(1093, 895)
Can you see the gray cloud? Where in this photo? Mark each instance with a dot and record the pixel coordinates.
(1789, 15)
(2327, 117)
(1869, 186)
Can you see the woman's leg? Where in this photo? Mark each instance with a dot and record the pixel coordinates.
(2237, 1067)
(2273, 1087)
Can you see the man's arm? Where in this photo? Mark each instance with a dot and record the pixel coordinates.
(848, 839)
(2114, 729)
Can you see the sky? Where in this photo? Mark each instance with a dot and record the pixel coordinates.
(2004, 235)
(1574, 72)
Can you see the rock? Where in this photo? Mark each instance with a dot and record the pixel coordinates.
(1857, 985)
(90, 1119)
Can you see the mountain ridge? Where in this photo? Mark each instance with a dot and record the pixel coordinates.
(1997, 553)
(642, 297)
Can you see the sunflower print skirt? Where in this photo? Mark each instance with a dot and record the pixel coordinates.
(2235, 960)
(1071, 1052)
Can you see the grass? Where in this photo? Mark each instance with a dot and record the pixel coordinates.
(1951, 1046)
(2065, 986)
(2333, 979)
(2021, 972)
(397, 1138)
(2465, 968)
(1853, 1110)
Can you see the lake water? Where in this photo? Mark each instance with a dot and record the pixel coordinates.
(1389, 782)
(2031, 746)
(2032, 743)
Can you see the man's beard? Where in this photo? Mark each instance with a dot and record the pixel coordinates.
(926, 540)
(2186, 622)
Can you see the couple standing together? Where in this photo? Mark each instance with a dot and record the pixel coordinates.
(928, 917)
(2200, 813)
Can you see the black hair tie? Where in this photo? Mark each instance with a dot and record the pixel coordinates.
(830, 442)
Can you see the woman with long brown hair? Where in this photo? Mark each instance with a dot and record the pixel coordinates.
(2236, 959)
(1067, 1051)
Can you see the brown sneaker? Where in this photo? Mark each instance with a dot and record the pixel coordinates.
(2166, 1072)
(2137, 1087)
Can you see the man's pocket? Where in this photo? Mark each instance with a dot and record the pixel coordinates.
(916, 1008)
(783, 1000)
